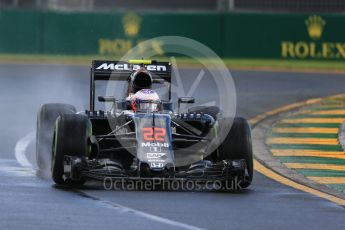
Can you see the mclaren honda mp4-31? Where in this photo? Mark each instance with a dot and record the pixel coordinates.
(141, 136)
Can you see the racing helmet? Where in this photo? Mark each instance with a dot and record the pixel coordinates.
(146, 101)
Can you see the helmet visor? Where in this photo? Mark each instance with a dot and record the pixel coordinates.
(148, 106)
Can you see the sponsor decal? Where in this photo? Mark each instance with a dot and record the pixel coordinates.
(155, 160)
(315, 25)
(153, 144)
(315, 48)
(128, 67)
(155, 149)
(120, 45)
(131, 24)
(147, 91)
(156, 165)
(156, 155)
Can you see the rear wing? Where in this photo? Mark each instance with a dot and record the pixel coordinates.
(121, 71)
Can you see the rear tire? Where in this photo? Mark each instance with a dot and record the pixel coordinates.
(46, 118)
(71, 137)
(238, 145)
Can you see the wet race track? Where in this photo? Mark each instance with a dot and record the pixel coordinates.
(29, 202)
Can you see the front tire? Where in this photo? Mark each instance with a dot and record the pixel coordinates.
(71, 137)
(238, 145)
(46, 118)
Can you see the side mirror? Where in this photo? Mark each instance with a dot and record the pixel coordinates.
(106, 99)
(187, 100)
(184, 100)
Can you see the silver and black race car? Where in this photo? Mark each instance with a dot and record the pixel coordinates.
(141, 139)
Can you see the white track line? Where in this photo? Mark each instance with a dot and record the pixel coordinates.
(148, 216)
(162, 220)
(20, 149)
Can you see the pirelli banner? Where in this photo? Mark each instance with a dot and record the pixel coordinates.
(234, 35)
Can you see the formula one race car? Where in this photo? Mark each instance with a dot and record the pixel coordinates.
(141, 136)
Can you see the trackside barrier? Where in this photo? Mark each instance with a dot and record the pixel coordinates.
(234, 35)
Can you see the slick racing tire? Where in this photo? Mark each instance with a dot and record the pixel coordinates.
(46, 118)
(238, 145)
(71, 137)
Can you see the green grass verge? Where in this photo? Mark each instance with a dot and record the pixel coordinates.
(332, 148)
(311, 125)
(312, 160)
(321, 172)
(340, 187)
(304, 135)
(233, 63)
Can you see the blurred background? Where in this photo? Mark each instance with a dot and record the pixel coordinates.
(234, 29)
(180, 5)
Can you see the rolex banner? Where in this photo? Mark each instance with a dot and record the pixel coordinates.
(116, 33)
(234, 35)
(285, 36)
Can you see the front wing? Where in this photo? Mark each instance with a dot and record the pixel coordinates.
(76, 168)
